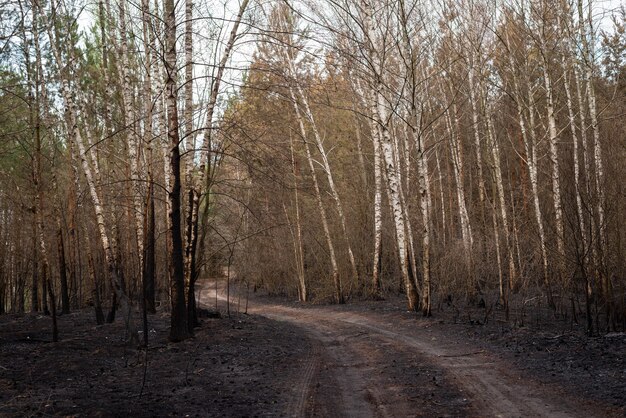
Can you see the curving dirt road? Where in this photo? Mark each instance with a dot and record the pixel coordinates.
(373, 364)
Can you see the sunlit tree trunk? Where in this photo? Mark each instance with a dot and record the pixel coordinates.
(130, 125)
(452, 125)
(477, 141)
(575, 152)
(375, 136)
(528, 136)
(379, 109)
(393, 190)
(297, 238)
(191, 232)
(425, 204)
(554, 158)
(414, 125)
(495, 149)
(320, 204)
(378, 215)
(412, 261)
(587, 36)
(75, 134)
(444, 225)
(306, 110)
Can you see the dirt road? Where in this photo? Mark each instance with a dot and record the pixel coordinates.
(373, 364)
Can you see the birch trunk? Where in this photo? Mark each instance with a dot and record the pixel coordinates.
(379, 109)
(378, 216)
(331, 248)
(299, 253)
(555, 175)
(375, 136)
(444, 225)
(457, 166)
(359, 145)
(572, 123)
(477, 142)
(129, 121)
(425, 204)
(72, 128)
(528, 137)
(190, 145)
(495, 149)
(415, 123)
(325, 164)
(405, 204)
(587, 36)
(393, 190)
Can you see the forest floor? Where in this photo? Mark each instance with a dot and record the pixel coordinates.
(362, 359)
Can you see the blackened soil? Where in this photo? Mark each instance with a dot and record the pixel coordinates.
(233, 367)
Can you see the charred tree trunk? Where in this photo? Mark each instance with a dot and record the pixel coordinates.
(149, 256)
(65, 297)
(178, 326)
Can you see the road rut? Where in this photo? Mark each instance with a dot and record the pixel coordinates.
(367, 365)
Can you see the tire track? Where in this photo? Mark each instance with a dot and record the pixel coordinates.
(297, 407)
(344, 375)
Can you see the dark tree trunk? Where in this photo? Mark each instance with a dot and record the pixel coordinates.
(178, 327)
(34, 306)
(75, 294)
(44, 292)
(149, 258)
(97, 303)
(112, 311)
(147, 269)
(65, 297)
(2, 293)
(21, 284)
(148, 263)
(53, 305)
(192, 313)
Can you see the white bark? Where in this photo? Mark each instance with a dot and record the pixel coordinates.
(528, 137)
(129, 121)
(393, 189)
(457, 165)
(444, 225)
(425, 204)
(572, 123)
(405, 203)
(299, 252)
(327, 170)
(554, 158)
(495, 149)
(378, 107)
(74, 131)
(378, 216)
(477, 142)
(588, 40)
(320, 203)
(190, 143)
